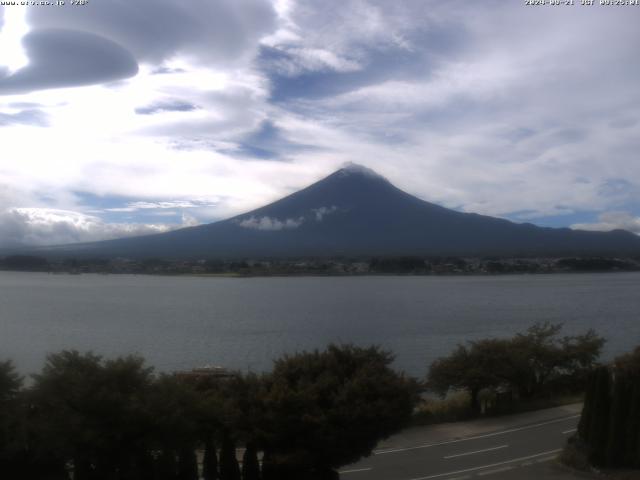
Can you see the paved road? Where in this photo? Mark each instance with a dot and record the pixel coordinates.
(513, 447)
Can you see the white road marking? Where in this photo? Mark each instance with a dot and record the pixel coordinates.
(546, 459)
(488, 466)
(355, 470)
(486, 435)
(569, 431)
(495, 470)
(477, 451)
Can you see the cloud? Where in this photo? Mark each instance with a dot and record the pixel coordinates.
(167, 70)
(136, 206)
(456, 102)
(43, 226)
(167, 106)
(270, 224)
(64, 58)
(612, 221)
(31, 116)
(219, 33)
(267, 142)
(324, 49)
(321, 212)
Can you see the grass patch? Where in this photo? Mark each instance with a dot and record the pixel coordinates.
(454, 407)
(574, 455)
(547, 402)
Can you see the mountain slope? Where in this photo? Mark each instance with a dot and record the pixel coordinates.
(354, 211)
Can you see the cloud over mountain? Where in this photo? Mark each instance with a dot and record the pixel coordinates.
(458, 102)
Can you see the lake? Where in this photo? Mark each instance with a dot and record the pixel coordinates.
(244, 323)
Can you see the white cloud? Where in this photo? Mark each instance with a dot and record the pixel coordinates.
(612, 221)
(300, 60)
(481, 114)
(42, 226)
(321, 212)
(338, 36)
(135, 206)
(12, 54)
(270, 224)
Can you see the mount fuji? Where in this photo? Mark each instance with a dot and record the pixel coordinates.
(356, 212)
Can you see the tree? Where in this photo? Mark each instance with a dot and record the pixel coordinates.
(10, 381)
(628, 366)
(597, 428)
(632, 450)
(250, 464)
(210, 460)
(229, 468)
(174, 407)
(538, 355)
(609, 427)
(187, 464)
(11, 421)
(93, 413)
(530, 363)
(618, 418)
(545, 358)
(482, 364)
(629, 362)
(327, 409)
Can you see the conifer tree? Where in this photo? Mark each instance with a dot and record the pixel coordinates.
(618, 416)
(598, 425)
(167, 467)
(250, 464)
(584, 425)
(229, 468)
(210, 461)
(187, 464)
(632, 448)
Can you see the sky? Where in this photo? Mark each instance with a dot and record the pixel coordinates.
(121, 118)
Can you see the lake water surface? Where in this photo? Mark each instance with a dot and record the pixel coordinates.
(244, 323)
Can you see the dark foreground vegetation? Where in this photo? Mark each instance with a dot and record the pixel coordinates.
(116, 420)
(407, 265)
(87, 418)
(609, 431)
(500, 374)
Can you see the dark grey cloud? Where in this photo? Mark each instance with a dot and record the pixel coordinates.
(167, 106)
(32, 116)
(220, 31)
(268, 142)
(64, 58)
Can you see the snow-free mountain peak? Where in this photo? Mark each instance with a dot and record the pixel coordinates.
(356, 212)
